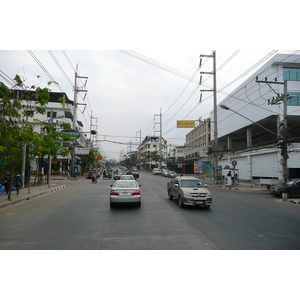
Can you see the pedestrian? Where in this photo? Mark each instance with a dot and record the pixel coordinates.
(7, 182)
(18, 182)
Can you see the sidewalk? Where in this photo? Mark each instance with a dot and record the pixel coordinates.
(250, 186)
(25, 195)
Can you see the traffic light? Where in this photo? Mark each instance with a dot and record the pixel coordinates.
(93, 131)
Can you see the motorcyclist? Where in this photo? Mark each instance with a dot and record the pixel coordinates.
(94, 178)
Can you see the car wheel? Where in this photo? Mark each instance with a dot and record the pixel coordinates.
(170, 196)
(206, 206)
(138, 204)
(180, 204)
(112, 205)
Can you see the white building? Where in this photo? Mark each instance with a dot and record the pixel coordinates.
(248, 132)
(56, 114)
(153, 144)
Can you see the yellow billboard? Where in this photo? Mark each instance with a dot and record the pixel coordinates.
(186, 124)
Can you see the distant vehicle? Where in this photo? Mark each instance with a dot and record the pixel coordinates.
(165, 172)
(91, 173)
(134, 171)
(127, 177)
(117, 176)
(292, 188)
(172, 174)
(156, 171)
(189, 191)
(125, 191)
(268, 182)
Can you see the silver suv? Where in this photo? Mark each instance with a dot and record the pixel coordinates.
(189, 191)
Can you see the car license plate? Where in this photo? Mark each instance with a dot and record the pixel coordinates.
(199, 202)
(125, 193)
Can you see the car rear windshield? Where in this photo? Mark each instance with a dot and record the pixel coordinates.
(191, 183)
(125, 184)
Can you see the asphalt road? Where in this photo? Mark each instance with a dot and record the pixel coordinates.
(79, 217)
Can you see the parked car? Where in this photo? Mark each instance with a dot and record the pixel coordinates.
(292, 188)
(127, 177)
(165, 172)
(172, 174)
(125, 191)
(156, 171)
(189, 191)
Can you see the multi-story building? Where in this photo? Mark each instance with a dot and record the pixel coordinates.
(198, 141)
(150, 145)
(249, 129)
(55, 115)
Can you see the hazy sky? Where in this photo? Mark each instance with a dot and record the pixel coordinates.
(124, 92)
(127, 89)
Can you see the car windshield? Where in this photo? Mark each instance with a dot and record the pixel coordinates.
(125, 184)
(191, 183)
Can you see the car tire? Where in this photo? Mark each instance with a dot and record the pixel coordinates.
(207, 206)
(170, 196)
(138, 204)
(112, 205)
(180, 204)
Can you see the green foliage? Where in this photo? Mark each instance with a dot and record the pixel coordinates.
(15, 132)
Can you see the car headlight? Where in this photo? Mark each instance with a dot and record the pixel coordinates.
(208, 194)
(186, 194)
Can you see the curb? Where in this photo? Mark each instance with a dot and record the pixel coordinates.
(29, 197)
(58, 188)
(228, 187)
(294, 201)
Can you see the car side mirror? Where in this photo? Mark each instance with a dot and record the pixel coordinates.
(176, 184)
(111, 185)
(205, 185)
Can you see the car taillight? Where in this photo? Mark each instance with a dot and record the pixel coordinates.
(113, 193)
(137, 192)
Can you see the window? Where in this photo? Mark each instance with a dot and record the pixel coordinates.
(54, 114)
(292, 74)
(295, 99)
(29, 113)
(68, 115)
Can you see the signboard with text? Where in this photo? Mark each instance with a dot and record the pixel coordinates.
(82, 151)
(186, 124)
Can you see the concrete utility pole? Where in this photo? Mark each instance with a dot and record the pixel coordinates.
(160, 136)
(214, 90)
(282, 134)
(75, 104)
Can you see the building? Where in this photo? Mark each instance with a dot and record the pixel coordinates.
(249, 129)
(55, 115)
(150, 145)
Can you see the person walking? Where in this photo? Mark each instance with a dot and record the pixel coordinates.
(7, 182)
(18, 183)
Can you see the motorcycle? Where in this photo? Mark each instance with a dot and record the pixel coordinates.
(94, 179)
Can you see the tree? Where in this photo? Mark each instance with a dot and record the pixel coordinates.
(15, 132)
(152, 156)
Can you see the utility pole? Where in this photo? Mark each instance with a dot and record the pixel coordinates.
(160, 136)
(214, 90)
(139, 148)
(282, 132)
(75, 104)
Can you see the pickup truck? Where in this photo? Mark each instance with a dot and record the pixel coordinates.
(189, 191)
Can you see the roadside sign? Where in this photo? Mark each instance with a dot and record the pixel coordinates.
(73, 134)
(82, 151)
(207, 165)
(234, 162)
